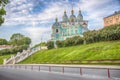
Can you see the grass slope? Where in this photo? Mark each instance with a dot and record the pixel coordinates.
(94, 51)
(3, 57)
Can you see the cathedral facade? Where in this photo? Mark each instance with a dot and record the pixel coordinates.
(69, 26)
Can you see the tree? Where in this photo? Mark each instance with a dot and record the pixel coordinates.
(16, 36)
(3, 2)
(19, 39)
(26, 40)
(78, 40)
(50, 44)
(106, 34)
(2, 10)
(3, 41)
(59, 43)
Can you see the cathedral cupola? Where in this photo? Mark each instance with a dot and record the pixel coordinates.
(56, 24)
(72, 11)
(65, 17)
(79, 17)
(56, 19)
(72, 16)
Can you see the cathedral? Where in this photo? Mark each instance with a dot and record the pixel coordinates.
(69, 26)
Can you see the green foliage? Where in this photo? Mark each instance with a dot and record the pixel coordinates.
(59, 43)
(69, 42)
(26, 40)
(93, 51)
(19, 39)
(50, 44)
(4, 52)
(19, 43)
(76, 40)
(3, 57)
(13, 50)
(3, 2)
(40, 44)
(2, 10)
(1, 20)
(16, 36)
(3, 41)
(106, 34)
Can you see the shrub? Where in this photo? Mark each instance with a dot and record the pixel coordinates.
(106, 34)
(50, 44)
(59, 43)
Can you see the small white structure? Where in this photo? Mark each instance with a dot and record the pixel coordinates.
(4, 61)
(23, 55)
(43, 47)
(5, 47)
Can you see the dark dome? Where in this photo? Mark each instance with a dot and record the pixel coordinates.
(65, 17)
(79, 17)
(72, 16)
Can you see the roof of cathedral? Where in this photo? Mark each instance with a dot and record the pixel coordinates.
(79, 17)
(72, 16)
(56, 22)
(65, 17)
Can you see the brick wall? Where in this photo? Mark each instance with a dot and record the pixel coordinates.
(112, 20)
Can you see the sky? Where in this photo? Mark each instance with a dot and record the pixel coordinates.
(34, 18)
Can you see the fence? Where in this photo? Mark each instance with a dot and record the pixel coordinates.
(23, 55)
(64, 69)
(114, 61)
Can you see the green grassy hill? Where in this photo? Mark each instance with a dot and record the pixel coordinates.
(3, 57)
(94, 51)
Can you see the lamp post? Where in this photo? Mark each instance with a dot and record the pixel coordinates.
(41, 43)
(31, 54)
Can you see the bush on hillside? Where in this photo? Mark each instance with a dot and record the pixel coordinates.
(109, 33)
(76, 40)
(3, 41)
(14, 50)
(50, 44)
(59, 44)
(106, 34)
(40, 44)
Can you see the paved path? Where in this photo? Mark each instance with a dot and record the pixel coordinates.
(15, 74)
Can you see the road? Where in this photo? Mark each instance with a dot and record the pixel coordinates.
(55, 73)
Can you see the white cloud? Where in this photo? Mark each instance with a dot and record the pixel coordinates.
(36, 33)
(18, 12)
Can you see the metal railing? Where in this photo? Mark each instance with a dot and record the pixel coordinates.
(114, 61)
(62, 68)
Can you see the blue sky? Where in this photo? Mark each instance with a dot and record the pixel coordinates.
(34, 18)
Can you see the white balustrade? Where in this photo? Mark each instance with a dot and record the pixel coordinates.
(23, 55)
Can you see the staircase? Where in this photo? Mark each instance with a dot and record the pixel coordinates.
(23, 55)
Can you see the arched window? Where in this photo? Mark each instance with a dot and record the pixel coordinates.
(72, 20)
(56, 30)
(76, 31)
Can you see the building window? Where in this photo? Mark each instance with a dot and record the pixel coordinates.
(76, 31)
(56, 30)
(107, 22)
(117, 19)
(110, 21)
(72, 20)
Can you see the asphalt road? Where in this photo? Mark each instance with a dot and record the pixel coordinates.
(56, 73)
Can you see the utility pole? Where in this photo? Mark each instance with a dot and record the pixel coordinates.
(31, 54)
(41, 43)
